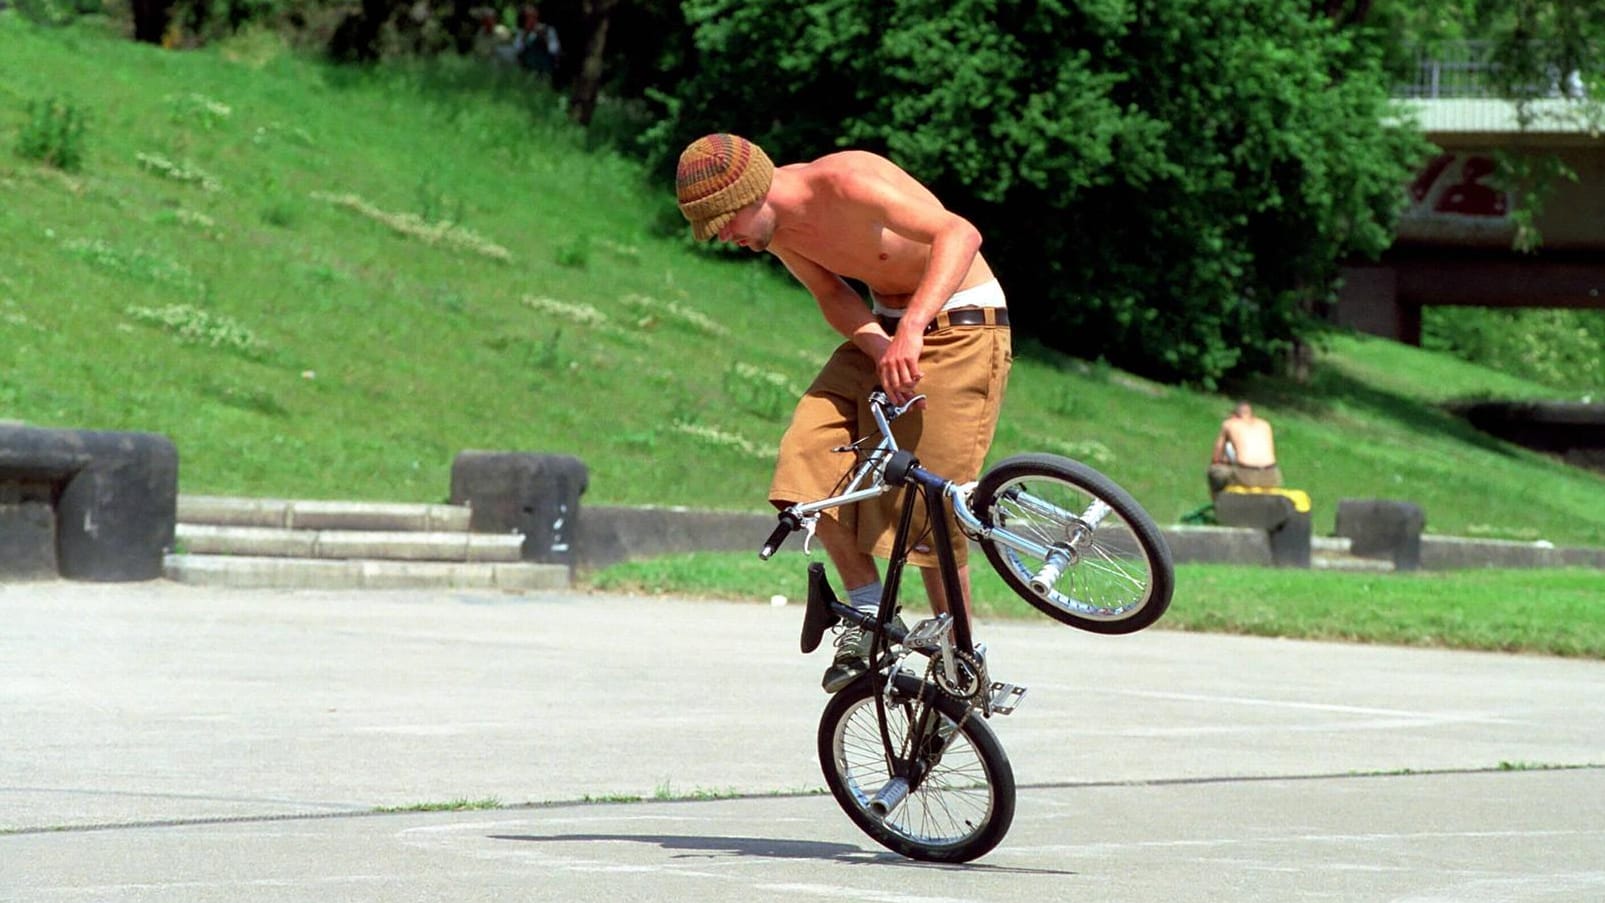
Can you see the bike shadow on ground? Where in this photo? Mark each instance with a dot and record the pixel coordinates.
(691, 846)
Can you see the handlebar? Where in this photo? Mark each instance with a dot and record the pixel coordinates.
(788, 523)
(884, 412)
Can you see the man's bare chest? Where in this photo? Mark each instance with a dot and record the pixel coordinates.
(880, 258)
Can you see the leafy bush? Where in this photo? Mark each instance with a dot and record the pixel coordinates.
(1169, 185)
(1559, 348)
(53, 134)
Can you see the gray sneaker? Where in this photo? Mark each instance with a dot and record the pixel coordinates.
(852, 656)
(852, 659)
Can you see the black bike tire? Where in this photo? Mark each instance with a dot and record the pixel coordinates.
(1090, 481)
(988, 750)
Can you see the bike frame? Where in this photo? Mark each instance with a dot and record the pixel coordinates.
(878, 475)
(884, 469)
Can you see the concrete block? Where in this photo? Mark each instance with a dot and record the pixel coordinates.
(1383, 528)
(536, 496)
(1287, 529)
(114, 496)
(27, 541)
(1260, 511)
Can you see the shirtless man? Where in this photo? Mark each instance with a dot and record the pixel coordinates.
(938, 327)
(1245, 452)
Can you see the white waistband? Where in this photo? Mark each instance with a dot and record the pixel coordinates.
(987, 294)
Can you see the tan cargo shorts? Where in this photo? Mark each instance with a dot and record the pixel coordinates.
(966, 369)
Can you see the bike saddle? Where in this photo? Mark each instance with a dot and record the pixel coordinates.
(818, 617)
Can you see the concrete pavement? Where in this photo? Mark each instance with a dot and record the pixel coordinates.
(181, 743)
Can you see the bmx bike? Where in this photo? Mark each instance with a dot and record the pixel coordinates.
(902, 748)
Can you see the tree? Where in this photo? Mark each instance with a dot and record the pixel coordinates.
(151, 18)
(1168, 185)
(588, 84)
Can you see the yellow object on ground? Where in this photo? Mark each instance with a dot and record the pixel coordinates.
(1299, 498)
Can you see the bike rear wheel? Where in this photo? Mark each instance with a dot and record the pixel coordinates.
(965, 802)
(1106, 568)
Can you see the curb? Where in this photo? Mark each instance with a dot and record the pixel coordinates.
(239, 572)
(207, 539)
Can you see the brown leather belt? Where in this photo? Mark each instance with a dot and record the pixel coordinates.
(958, 316)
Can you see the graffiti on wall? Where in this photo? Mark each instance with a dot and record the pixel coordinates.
(1453, 199)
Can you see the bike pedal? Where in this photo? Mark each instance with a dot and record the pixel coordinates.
(926, 636)
(1006, 698)
(817, 617)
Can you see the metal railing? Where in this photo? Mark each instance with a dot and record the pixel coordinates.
(1465, 69)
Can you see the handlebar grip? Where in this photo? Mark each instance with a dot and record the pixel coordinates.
(787, 524)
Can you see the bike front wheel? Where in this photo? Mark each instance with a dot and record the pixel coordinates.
(1074, 544)
(964, 802)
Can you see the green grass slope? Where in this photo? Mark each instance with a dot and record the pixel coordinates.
(325, 283)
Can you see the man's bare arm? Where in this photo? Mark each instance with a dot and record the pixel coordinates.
(844, 310)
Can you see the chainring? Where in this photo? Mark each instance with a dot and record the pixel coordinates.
(971, 684)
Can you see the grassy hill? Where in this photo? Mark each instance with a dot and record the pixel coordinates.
(324, 282)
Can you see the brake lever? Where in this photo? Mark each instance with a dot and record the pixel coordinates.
(810, 525)
(900, 410)
(893, 411)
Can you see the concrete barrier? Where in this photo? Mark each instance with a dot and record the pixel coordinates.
(112, 499)
(1287, 530)
(27, 530)
(1383, 528)
(611, 534)
(1442, 553)
(536, 496)
(1218, 545)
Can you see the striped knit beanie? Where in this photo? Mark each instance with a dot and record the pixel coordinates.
(718, 175)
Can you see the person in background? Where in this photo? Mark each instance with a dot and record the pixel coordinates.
(1244, 453)
(536, 46)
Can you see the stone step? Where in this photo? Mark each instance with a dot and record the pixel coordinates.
(292, 514)
(1350, 563)
(249, 572)
(1331, 553)
(207, 539)
(1334, 545)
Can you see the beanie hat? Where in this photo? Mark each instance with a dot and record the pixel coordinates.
(718, 175)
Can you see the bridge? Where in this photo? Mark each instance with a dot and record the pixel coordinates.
(1455, 239)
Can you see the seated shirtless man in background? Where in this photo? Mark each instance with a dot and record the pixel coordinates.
(1244, 453)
